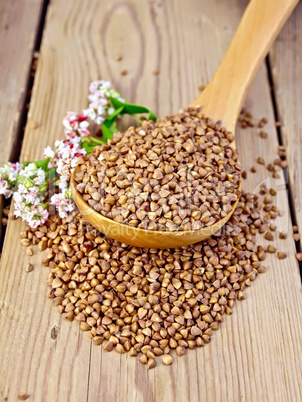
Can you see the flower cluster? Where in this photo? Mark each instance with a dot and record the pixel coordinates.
(63, 202)
(75, 125)
(100, 106)
(31, 194)
(29, 183)
(8, 178)
(64, 158)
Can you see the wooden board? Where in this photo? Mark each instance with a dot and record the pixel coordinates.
(19, 23)
(286, 61)
(256, 356)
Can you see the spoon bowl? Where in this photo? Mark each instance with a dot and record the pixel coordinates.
(221, 101)
(142, 237)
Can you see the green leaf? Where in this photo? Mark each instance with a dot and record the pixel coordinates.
(113, 116)
(152, 116)
(132, 109)
(109, 125)
(43, 187)
(108, 129)
(51, 173)
(88, 146)
(113, 127)
(107, 133)
(42, 164)
(128, 107)
(116, 103)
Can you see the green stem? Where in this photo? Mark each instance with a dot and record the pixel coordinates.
(137, 119)
(94, 140)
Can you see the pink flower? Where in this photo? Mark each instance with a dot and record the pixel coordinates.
(30, 196)
(8, 178)
(100, 106)
(76, 125)
(65, 156)
(63, 202)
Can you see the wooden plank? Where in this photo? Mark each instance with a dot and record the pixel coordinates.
(19, 23)
(257, 353)
(286, 59)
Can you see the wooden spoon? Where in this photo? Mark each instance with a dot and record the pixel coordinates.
(221, 100)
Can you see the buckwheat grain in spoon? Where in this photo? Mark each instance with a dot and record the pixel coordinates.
(176, 181)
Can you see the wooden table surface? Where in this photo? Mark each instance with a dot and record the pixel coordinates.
(257, 353)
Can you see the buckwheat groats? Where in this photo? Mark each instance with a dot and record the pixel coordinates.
(178, 173)
(149, 302)
(154, 304)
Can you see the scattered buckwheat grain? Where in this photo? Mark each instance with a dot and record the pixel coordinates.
(148, 302)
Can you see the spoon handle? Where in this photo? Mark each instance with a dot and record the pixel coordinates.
(262, 21)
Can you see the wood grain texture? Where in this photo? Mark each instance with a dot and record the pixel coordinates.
(256, 355)
(286, 61)
(257, 30)
(19, 23)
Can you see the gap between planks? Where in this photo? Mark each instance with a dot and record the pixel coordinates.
(12, 153)
(289, 184)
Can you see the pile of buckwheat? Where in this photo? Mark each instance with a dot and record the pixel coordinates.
(178, 173)
(149, 302)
